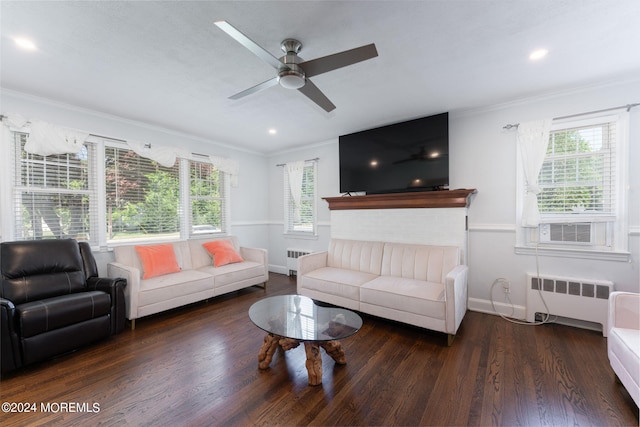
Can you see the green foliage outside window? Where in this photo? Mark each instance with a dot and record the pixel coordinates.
(206, 198)
(573, 175)
(142, 196)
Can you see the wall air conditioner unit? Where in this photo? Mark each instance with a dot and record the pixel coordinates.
(579, 233)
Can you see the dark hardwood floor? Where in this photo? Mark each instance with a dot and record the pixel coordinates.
(197, 366)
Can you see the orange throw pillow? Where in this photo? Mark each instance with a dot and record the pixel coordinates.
(222, 252)
(157, 260)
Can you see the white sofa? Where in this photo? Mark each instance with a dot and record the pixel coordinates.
(421, 285)
(197, 279)
(623, 341)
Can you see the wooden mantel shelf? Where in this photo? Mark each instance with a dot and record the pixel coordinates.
(429, 199)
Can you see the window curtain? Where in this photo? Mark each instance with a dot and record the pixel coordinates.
(533, 139)
(166, 156)
(295, 172)
(46, 139)
(227, 166)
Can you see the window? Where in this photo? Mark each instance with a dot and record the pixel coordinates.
(581, 183)
(300, 215)
(109, 194)
(578, 173)
(207, 201)
(54, 196)
(142, 197)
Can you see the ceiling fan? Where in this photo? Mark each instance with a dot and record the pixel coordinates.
(292, 71)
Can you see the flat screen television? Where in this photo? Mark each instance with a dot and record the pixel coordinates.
(402, 157)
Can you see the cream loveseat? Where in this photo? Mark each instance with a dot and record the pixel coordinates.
(421, 285)
(197, 279)
(623, 340)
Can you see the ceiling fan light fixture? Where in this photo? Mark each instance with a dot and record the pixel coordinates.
(291, 78)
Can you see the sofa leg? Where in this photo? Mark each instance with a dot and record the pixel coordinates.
(133, 324)
(450, 339)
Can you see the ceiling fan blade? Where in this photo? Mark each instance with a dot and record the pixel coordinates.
(250, 44)
(312, 92)
(317, 66)
(256, 88)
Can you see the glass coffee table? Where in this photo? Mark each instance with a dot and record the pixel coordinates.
(290, 320)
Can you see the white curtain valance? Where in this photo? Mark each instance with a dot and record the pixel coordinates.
(227, 166)
(166, 156)
(533, 139)
(15, 121)
(46, 139)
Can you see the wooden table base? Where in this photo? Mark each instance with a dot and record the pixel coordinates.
(311, 348)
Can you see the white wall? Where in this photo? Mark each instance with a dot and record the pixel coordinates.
(433, 226)
(483, 156)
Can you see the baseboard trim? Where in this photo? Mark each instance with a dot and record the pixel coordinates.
(501, 308)
(280, 269)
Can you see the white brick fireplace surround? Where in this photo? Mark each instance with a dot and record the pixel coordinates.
(431, 218)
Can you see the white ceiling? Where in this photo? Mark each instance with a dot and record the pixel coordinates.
(164, 63)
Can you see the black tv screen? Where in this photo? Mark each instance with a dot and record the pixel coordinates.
(407, 156)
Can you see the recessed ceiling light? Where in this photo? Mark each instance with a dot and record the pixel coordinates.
(24, 43)
(538, 54)
(272, 131)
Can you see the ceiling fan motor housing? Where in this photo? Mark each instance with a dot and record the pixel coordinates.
(291, 76)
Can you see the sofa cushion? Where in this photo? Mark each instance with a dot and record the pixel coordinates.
(199, 255)
(222, 252)
(157, 260)
(127, 255)
(235, 272)
(336, 281)
(430, 263)
(53, 313)
(172, 285)
(355, 255)
(410, 295)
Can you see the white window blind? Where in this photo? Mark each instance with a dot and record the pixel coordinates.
(142, 197)
(301, 217)
(55, 196)
(578, 176)
(207, 198)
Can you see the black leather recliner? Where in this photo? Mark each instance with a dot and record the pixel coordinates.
(52, 300)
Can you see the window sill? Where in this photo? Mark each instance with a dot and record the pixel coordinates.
(301, 235)
(574, 253)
